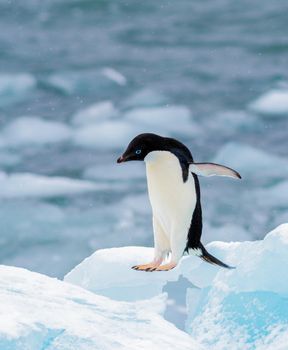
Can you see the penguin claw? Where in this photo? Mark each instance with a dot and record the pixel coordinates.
(147, 267)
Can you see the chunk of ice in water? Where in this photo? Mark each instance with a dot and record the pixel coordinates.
(94, 113)
(274, 102)
(15, 87)
(252, 162)
(84, 82)
(33, 185)
(114, 134)
(173, 119)
(146, 98)
(34, 130)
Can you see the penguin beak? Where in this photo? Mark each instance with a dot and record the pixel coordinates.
(121, 159)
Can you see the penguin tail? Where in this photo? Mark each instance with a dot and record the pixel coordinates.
(204, 255)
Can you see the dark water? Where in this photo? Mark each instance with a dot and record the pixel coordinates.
(214, 57)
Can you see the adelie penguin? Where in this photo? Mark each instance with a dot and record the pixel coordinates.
(174, 194)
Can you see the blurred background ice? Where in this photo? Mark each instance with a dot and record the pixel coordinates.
(79, 78)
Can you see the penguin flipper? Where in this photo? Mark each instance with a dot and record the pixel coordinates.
(212, 169)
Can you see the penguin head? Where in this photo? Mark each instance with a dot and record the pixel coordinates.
(143, 144)
(140, 146)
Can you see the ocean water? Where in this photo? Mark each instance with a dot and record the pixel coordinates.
(202, 65)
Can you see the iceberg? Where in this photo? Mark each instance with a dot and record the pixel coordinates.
(244, 308)
(274, 102)
(40, 312)
(252, 162)
(15, 87)
(30, 185)
(25, 131)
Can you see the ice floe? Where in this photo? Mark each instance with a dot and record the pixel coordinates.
(274, 102)
(146, 98)
(117, 172)
(114, 134)
(44, 313)
(34, 130)
(172, 119)
(84, 82)
(252, 162)
(15, 87)
(244, 308)
(95, 113)
(34, 185)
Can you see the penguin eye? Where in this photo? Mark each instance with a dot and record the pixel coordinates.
(138, 151)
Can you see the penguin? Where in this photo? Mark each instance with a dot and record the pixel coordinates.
(174, 194)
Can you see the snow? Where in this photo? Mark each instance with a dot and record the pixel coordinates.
(94, 113)
(44, 313)
(15, 87)
(34, 131)
(252, 162)
(104, 304)
(34, 185)
(274, 102)
(245, 308)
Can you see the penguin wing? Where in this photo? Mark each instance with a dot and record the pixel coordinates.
(212, 169)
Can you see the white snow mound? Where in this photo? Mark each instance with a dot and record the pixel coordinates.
(243, 308)
(40, 312)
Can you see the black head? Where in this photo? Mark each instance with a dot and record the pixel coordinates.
(143, 144)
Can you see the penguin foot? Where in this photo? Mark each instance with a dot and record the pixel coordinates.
(147, 267)
(166, 267)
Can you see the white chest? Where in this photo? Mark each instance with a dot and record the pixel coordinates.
(172, 200)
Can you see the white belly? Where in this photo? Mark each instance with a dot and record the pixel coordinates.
(173, 201)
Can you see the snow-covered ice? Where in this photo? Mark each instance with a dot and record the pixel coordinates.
(34, 185)
(252, 162)
(94, 113)
(274, 102)
(15, 87)
(104, 304)
(34, 131)
(245, 308)
(40, 312)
